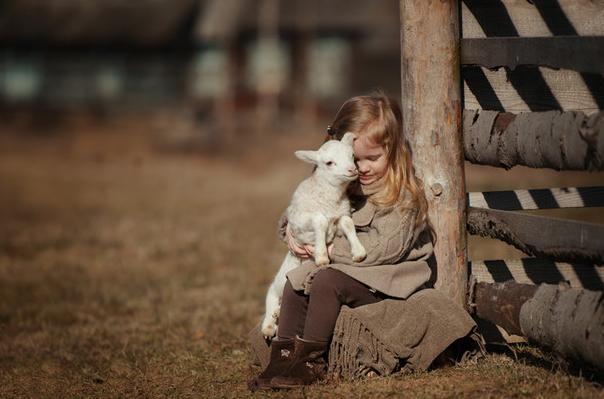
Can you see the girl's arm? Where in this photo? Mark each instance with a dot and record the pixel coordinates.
(387, 240)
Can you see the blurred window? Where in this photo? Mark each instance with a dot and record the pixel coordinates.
(209, 77)
(269, 66)
(68, 81)
(330, 64)
(109, 81)
(20, 79)
(151, 80)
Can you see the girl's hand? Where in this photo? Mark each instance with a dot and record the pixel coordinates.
(302, 251)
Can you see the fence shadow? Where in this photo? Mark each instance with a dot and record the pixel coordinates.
(548, 360)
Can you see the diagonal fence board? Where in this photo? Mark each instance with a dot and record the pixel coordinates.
(541, 198)
(532, 88)
(564, 240)
(510, 25)
(539, 18)
(538, 271)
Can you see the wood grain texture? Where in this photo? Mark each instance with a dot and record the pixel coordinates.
(567, 320)
(559, 239)
(553, 139)
(519, 91)
(561, 52)
(501, 303)
(539, 18)
(538, 271)
(538, 198)
(431, 105)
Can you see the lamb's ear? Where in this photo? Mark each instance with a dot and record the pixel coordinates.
(348, 138)
(308, 156)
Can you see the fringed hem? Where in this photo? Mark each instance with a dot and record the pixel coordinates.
(355, 351)
(476, 350)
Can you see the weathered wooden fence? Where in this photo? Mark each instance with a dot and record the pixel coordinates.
(533, 95)
(546, 58)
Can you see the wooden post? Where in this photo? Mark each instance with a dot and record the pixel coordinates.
(431, 105)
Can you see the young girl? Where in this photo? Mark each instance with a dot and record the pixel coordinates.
(390, 215)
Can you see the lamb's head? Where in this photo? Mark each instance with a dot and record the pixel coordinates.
(334, 160)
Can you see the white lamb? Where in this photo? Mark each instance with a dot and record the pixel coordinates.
(319, 207)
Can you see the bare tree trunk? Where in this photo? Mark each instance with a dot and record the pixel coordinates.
(431, 104)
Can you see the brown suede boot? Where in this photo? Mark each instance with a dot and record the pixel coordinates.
(282, 353)
(308, 365)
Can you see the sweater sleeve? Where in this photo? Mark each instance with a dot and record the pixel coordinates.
(386, 240)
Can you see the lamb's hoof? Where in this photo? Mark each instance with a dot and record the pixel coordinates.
(358, 257)
(269, 331)
(321, 260)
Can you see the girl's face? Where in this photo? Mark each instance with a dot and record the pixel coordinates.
(371, 160)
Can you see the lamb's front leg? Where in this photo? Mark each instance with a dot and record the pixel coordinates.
(320, 224)
(346, 225)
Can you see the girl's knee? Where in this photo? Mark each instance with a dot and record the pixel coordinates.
(325, 280)
(288, 286)
(288, 290)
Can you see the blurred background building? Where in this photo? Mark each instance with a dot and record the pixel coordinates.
(214, 66)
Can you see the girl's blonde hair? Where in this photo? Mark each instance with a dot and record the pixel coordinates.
(379, 117)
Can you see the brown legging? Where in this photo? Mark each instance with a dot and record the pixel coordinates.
(313, 317)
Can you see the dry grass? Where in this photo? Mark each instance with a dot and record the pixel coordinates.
(127, 273)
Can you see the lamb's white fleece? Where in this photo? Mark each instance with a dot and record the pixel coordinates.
(318, 209)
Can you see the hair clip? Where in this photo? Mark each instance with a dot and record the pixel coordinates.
(331, 131)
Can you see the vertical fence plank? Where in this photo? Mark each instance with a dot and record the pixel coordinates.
(431, 104)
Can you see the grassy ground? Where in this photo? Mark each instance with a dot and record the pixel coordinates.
(130, 273)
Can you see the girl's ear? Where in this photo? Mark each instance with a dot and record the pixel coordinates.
(308, 156)
(348, 138)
